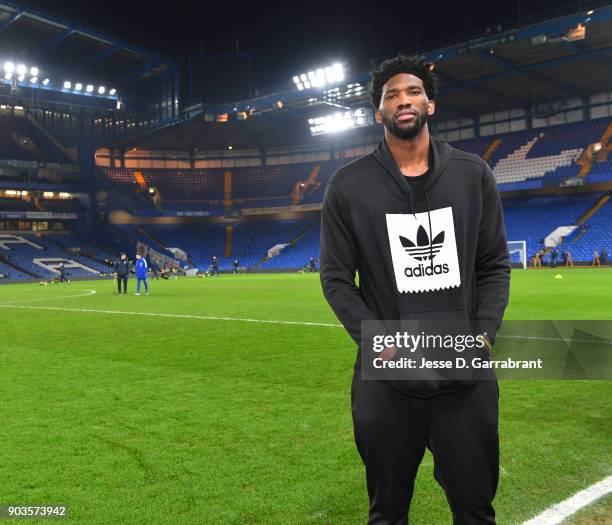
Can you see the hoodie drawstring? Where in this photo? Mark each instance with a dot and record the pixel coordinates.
(411, 203)
(430, 235)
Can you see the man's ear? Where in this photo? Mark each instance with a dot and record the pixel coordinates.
(431, 107)
(378, 117)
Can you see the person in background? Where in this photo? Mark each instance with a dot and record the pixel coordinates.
(603, 257)
(62, 273)
(153, 266)
(215, 266)
(537, 262)
(236, 265)
(553, 258)
(122, 272)
(567, 258)
(596, 260)
(142, 271)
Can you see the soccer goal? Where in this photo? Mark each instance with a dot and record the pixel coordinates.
(518, 253)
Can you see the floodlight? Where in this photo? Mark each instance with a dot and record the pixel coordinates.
(319, 77)
(340, 121)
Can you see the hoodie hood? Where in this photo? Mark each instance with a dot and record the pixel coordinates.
(440, 153)
(439, 156)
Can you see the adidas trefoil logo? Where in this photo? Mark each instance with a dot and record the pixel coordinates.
(423, 250)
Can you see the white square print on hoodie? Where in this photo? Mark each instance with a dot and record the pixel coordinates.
(421, 263)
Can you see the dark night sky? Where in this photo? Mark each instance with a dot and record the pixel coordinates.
(285, 38)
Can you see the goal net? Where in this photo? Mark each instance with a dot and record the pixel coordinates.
(518, 253)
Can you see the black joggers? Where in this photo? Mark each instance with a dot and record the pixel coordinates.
(392, 431)
(122, 279)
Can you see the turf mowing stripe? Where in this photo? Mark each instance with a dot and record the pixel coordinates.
(561, 511)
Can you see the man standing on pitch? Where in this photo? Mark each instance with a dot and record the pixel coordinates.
(422, 224)
(141, 274)
(122, 272)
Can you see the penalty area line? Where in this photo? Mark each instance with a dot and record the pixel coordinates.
(559, 512)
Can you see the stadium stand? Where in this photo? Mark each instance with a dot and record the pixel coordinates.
(532, 219)
(21, 140)
(251, 240)
(595, 234)
(11, 204)
(37, 255)
(528, 155)
(8, 272)
(297, 254)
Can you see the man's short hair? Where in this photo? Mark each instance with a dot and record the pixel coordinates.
(416, 65)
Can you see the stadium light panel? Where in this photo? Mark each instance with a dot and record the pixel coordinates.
(21, 78)
(9, 67)
(21, 69)
(112, 92)
(34, 80)
(340, 121)
(101, 90)
(34, 71)
(8, 76)
(67, 84)
(46, 82)
(78, 86)
(89, 88)
(319, 77)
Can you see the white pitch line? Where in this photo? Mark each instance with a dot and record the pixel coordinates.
(238, 319)
(176, 316)
(87, 292)
(561, 511)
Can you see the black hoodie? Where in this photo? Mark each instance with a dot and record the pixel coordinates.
(443, 258)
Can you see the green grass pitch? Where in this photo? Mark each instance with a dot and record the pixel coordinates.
(147, 419)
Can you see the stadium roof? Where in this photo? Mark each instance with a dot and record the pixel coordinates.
(59, 46)
(519, 68)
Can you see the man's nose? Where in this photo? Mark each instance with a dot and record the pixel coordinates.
(404, 101)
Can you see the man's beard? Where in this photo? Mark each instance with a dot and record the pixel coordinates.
(405, 132)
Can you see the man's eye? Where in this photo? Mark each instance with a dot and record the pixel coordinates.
(389, 96)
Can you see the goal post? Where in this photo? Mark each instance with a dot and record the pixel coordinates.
(518, 253)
